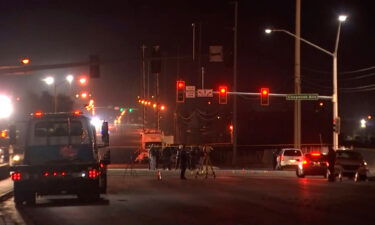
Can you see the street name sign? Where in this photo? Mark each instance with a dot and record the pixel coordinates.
(190, 91)
(205, 93)
(304, 96)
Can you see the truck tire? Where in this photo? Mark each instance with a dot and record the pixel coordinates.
(19, 198)
(89, 196)
(103, 184)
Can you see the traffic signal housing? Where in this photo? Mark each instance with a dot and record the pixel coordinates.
(264, 96)
(223, 95)
(180, 91)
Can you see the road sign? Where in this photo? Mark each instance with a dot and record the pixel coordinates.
(190, 91)
(205, 93)
(304, 96)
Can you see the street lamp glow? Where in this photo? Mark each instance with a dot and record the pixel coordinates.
(49, 80)
(342, 18)
(6, 107)
(363, 123)
(268, 31)
(70, 78)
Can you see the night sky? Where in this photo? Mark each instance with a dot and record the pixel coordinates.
(57, 31)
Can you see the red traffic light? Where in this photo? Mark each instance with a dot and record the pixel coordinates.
(180, 91)
(264, 96)
(223, 95)
(264, 91)
(180, 84)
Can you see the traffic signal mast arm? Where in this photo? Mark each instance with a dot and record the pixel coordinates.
(270, 94)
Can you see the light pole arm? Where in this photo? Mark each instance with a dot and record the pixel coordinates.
(337, 39)
(304, 40)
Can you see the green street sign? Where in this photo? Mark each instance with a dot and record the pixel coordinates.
(311, 97)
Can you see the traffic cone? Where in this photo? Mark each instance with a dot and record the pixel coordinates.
(158, 175)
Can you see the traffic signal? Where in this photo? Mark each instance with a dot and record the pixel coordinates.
(122, 109)
(130, 110)
(156, 61)
(223, 95)
(180, 91)
(264, 96)
(94, 66)
(336, 125)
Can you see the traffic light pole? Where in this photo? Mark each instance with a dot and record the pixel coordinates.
(235, 127)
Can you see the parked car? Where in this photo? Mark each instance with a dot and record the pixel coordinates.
(350, 163)
(289, 157)
(314, 164)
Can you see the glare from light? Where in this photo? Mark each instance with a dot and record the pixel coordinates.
(83, 80)
(268, 31)
(363, 123)
(96, 122)
(70, 78)
(6, 107)
(342, 18)
(49, 80)
(16, 158)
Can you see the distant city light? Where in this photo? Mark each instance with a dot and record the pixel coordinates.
(363, 123)
(70, 78)
(49, 80)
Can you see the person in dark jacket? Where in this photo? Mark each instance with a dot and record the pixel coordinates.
(183, 162)
(167, 154)
(331, 164)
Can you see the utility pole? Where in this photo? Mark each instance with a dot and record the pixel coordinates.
(297, 78)
(143, 83)
(235, 127)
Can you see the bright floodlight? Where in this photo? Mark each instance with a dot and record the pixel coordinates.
(6, 107)
(49, 80)
(342, 18)
(70, 78)
(363, 123)
(268, 31)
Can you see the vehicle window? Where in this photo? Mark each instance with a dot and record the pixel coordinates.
(292, 153)
(348, 155)
(58, 128)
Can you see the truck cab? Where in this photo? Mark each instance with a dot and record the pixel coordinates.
(60, 156)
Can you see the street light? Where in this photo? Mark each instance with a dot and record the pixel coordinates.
(49, 80)
(341, 18)
(70, 78)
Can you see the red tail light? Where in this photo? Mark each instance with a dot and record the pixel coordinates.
(94, 173)
(63, 173)
(316, 154)
(304, 162)
(101, 165)
(16, 176)
(38, 114)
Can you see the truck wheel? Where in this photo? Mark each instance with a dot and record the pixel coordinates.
(19, 198)
(89, 196)
(30, 198)
(103, 184)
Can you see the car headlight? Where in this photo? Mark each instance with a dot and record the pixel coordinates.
(16, 158)
(364, 163)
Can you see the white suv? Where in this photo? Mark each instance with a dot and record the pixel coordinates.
(289, 157)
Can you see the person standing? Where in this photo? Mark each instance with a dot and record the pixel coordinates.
(183, 162)
(167, 153)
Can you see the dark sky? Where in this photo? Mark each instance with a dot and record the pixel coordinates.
(69, 31)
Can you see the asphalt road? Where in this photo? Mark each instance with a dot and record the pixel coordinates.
(234, 197)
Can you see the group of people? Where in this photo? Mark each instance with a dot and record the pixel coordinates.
(181, 157)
